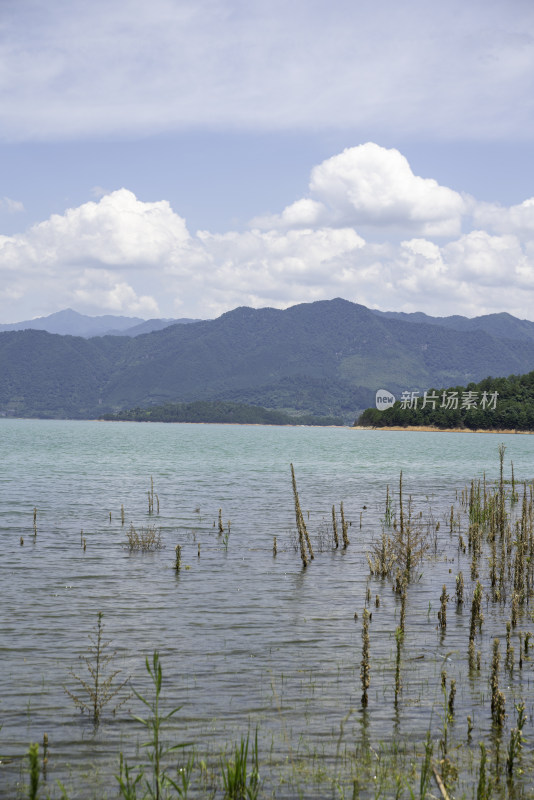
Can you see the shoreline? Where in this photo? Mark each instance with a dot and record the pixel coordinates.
(433, 429)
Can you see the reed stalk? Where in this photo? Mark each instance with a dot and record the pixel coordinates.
(304, 539)
(497, 697)
(442, 613)
(344, 527)
(334, 527)
(459, 589)
(365, 664)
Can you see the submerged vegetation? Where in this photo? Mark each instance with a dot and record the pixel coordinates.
(459, 729)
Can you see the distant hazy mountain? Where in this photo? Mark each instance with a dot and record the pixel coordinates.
(69, 322)
(501, 325)
(150, 325)
(326, 358)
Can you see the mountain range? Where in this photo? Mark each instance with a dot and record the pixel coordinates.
(71, 323)
(324, 358)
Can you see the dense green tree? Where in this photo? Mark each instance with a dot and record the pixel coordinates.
(514, 407)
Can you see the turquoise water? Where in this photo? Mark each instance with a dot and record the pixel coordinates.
(245, 639)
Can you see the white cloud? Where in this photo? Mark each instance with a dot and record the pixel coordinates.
(123, 255)
(455, 69)
(372, 186)
(11, 206)
(517, 219)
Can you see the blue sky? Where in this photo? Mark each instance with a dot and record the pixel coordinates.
(179, 158)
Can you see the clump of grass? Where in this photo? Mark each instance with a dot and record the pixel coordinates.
(144, 539)
(382, 557)
(238, 785)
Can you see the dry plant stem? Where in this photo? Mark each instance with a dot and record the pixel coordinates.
(440, 784)
(365, 664)
(460, 589)
(403, 606)
(399, 636)
(401, 510)
(151, 496)
(476, 618)
(45, 754)
(304, 539)
(334, 527)
(275, 548)
(442, 613)
(497, 697)
(221, 526)
(344, 528)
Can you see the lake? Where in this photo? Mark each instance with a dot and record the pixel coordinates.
(247, 640)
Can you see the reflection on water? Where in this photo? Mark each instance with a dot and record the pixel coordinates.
(245, 639)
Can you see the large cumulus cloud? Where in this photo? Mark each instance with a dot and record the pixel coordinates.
(372, 186)
(369, 230)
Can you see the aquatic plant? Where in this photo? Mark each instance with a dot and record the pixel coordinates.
(442, 613)
(365, 663)
(304, 539)
(99, 688)
(497, 697)
(239, 784)
(151, 496)
(143, 539)
(344, 527)
(334, 527)
(516, 739)
(33, 757)
(158, 781)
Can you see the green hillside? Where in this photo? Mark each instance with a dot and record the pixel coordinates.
(491, 404)
(325, 358)
(205, 411)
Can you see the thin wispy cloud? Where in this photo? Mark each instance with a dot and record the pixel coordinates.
(128, 68)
